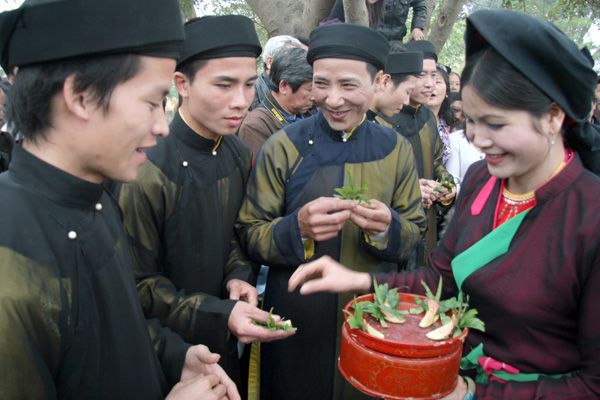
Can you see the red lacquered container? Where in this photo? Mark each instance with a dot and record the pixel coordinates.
(405, 364)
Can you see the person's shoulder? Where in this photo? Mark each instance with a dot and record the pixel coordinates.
(477, 175)
(384, 131)
(15, 198)
(160, 154)
(259, 113)
(150, 181)
(588, 183)
(427, 114)
(258, 122)
(238, 144)
(456, 139)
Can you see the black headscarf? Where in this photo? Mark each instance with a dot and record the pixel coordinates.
(551, 61)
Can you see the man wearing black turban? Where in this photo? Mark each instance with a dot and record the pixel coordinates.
(289, 214)
(180, 212)
(418, 124)
(87, 101)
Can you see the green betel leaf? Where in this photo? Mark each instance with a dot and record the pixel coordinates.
(428, 292)
(272, 325)
(438, 294)
(422, 306)
(351, 193)
(350, 183)
(364, 198)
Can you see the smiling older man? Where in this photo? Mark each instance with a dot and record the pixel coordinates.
(290, 216)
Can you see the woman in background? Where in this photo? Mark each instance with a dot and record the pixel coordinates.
(440, 105)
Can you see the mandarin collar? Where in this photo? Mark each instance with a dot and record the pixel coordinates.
(409, 110)
(53, 183)
(371, 115)
(187, 135)
(337, 135)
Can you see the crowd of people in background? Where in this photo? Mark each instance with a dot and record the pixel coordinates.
(141, 258)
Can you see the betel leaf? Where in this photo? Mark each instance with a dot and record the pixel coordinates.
(445, 183)
(355, 321)
(465, 317)
(351, 193)
(384, 307)
(271, 325)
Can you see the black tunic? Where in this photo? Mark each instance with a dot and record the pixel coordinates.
(419, 126)
(71, 325)
(179, 215)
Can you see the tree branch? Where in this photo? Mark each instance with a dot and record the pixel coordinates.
(355, 12)
(443, 25)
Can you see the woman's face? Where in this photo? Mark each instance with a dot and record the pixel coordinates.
(439, 92)
(513, 147)
(454, 83)
(457, 111)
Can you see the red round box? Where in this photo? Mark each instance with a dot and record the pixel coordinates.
(394, 370)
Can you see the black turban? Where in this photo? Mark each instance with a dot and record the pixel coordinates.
(219, 37)
(425, 47)
(348, 41)
(49, 30)
(405, 63)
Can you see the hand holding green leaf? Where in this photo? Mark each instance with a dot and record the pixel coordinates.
(447, 182)
(351, 193)
(271, 325)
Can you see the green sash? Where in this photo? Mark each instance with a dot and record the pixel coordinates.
(488, 248)
(470, 361)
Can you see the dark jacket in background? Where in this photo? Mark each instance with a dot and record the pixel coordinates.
(393, 26)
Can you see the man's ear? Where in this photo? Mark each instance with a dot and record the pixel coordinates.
(284, 88)
(182, 84)
(79, 104)
(268, 63)
(386, 79)
(378, 81)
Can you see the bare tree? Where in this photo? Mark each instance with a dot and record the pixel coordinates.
(292, 17)
(446, 19)
(355, 12)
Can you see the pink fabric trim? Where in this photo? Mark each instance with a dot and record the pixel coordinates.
(483, 196)
(490, 365)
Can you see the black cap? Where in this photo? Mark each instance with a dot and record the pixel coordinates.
(48, 30)
(219, 37)
(548, 59)
(348, 41)
(404, 63)
(425, 47)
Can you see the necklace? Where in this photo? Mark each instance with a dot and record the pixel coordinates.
(512, 204)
